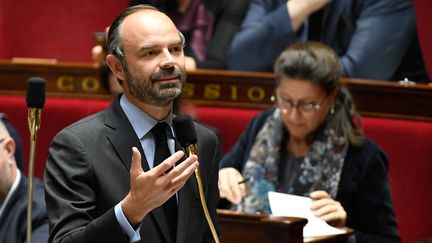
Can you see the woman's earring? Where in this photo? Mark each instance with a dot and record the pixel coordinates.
(332, 109)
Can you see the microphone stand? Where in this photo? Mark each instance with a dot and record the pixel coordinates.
(34, 120)
(191, 150)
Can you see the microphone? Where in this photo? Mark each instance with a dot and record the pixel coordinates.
(186, 135)
(35, 100)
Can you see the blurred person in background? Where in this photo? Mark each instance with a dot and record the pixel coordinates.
(373, 39)
(13, 197)
(311, 145)
(19, 154)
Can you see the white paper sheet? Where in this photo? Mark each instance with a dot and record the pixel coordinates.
(282, 204)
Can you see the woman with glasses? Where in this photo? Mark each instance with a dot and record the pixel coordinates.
(311, 145)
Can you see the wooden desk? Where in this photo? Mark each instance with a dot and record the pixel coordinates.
(254, 90)
(64, 79)
(221, 88)
(258, 228)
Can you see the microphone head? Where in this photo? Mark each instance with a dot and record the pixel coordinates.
(35, 92)
(185, 130)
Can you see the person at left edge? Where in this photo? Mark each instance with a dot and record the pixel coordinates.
(101, 185)
(14, 133)
(13, 197)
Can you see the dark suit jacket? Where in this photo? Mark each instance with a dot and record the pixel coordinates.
(374, 39)
(87, 174)
(13, 223)
(364, 189)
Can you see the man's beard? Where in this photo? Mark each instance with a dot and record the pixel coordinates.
(147, 92)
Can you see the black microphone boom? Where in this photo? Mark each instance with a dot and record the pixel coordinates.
(35, 100)
(186, 135)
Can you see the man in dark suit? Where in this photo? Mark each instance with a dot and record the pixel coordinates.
(102, 180)
(13, 198)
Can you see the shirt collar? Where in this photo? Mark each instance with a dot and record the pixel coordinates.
(141, 122)
(11, 191)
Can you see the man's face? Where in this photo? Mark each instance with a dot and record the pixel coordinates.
(155, 66)
(7, 176)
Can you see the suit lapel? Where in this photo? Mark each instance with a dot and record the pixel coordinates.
(123, 138)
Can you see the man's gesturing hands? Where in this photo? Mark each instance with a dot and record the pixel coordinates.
(152, 188)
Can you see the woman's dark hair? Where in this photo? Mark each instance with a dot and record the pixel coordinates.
(315, 62)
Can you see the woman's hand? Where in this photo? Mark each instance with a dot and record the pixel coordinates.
(229, 186)
(327, 209)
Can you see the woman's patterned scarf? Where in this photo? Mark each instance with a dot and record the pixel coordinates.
(320, 169)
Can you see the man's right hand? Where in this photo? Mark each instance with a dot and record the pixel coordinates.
(229, 186)
(153, 188)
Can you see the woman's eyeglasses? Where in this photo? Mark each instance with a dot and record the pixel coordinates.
(302, 107)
